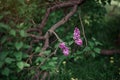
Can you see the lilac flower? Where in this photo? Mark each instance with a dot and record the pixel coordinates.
(64, 49)
(62, 45)
(76, 34)
(76, 37)
(79, 42)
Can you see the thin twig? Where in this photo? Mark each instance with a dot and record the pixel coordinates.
(83, 29)
(56, 35)
(36, 37)
(45, 74)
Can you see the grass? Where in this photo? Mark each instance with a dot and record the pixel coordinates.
(99, 68)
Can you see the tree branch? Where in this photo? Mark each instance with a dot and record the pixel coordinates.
(58, 6)
(70, 3)
(83, 29)
(109, 52)
(58, 24)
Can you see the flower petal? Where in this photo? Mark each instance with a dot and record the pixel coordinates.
(62, 45)
(66, 51)
(64, 48)
(76, 33)
(79, 42)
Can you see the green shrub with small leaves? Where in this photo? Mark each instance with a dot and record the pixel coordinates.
(21, 55)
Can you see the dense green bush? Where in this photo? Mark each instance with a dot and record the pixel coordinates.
(21, 61)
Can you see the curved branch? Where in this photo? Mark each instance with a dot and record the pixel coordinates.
(65, 19)
(110, 52)
(58, 24)
(58, 6)
(70, 3)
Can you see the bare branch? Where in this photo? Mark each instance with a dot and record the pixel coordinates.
(58, 24)
(33, 30)
(58, 6)
(65, 19)
(70, 3)
(83, 29)
(36, 37)
(45, 74)
(110, 52)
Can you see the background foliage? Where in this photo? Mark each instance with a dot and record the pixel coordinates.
(84, 63)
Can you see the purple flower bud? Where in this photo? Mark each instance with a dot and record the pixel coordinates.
(76, 37)
(64, 49)
(76, 34)
(79, 42)
(62, 45)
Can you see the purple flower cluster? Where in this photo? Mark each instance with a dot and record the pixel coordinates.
(76, 37)
(64, 48)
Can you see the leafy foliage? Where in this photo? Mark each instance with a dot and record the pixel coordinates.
(17, 16)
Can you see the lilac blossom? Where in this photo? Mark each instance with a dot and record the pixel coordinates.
(78, 42)
(76, 37)
(66, 51)
(76, 34)
(62, 45)
(64, 48)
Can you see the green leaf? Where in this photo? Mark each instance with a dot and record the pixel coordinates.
(20, 65)
(37, 49)
(51, 64)
(1, 64)
(47, 52)
(56, 45)
(93, 39)
(32, 72)
(87, 21)
(4, 39)
(9, 60)
(26, 65)
(54, 58)
(25, 55)
(86, 49)
(12, 32)
(22, 2)
(93, 54)
(20, 25)
(4, 26)
(71, 42)
(6, 71)
(44, 67)
(26, 46)
(18, 45)
(91, 44)
(79, 52)
(18, 56)
(98, 43)
(23, 33)
(39, 59)
(1, 16)
(3, 55)
(97, 50)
